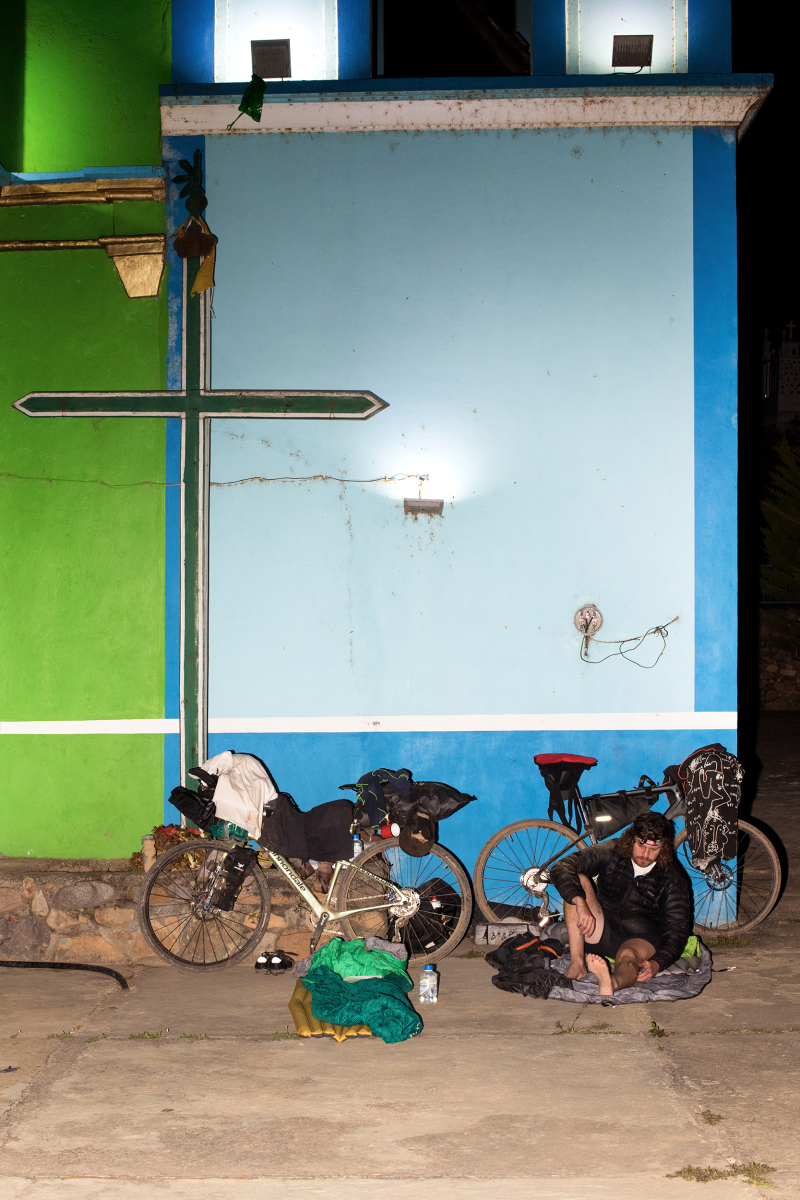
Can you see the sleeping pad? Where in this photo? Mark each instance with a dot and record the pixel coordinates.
(351, 985)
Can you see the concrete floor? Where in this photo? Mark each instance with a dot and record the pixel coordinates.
(500, 1095)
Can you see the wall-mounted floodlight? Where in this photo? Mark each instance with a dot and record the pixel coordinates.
(272, 59)
(429, 508)
(632, 50)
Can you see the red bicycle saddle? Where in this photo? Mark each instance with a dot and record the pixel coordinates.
(561, 773)
(548, 760)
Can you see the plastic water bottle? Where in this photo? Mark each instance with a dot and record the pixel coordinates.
(428, 986)
(358, 846)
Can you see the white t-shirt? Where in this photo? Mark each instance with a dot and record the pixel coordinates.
(642, 870)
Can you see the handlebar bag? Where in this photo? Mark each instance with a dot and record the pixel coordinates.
(611, 813)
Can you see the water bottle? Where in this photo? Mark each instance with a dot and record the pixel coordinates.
(358, 846)
(428, 986)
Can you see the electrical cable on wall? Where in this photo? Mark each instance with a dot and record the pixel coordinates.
(228, 483)
(661, 631)
(309, 478)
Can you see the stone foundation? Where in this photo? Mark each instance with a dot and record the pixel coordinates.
(80, 910)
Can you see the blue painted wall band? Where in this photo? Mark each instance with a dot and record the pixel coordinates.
(311, 767)
(716, 439)
(355, 39)
(549, 37)
(710, 35)
(193, 40)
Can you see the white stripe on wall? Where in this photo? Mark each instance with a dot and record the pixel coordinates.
(503, 723)
(159, 725)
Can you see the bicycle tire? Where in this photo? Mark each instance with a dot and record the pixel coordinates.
(405, 869)
(489, 905)
(757, 883)
(191, 938)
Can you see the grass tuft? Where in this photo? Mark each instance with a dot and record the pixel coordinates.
(711, 1118)
(790, 921)
(197, 1036)
(64, 1034)
(133, 1036)
(657, 1032)
(728, 941)
(753, 1172)
(470, 954)
(285, 1035)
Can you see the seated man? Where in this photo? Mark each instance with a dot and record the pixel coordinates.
(640, 911)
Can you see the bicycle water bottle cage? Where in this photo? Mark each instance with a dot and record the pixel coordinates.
(561, 773)
(229, 879)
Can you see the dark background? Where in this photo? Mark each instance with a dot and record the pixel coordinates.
(765, 38)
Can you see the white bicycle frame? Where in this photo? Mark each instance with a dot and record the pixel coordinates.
(322, 908)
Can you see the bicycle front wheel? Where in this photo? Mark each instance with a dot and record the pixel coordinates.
(179, 928)
(439, 899)
(505, 871)
(746, 891)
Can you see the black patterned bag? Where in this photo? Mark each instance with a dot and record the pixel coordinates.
(711, 779)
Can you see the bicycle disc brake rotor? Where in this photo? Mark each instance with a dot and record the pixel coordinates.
(719, 878)
(535, 881)
(405, 909)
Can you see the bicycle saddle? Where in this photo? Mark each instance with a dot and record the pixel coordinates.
(561, 773)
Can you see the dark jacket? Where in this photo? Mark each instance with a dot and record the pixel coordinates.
(661, 896)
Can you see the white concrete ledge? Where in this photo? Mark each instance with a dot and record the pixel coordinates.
(723, 107)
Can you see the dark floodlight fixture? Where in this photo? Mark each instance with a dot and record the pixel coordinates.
(272, 59)
(632, 50)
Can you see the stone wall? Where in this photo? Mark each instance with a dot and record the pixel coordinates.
(85, 911)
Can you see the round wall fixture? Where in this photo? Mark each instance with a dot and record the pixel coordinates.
(588, 620)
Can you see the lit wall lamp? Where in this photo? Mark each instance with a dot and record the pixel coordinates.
(413, 506)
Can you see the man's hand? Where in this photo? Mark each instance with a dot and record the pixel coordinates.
(586, 922)
(648, 971)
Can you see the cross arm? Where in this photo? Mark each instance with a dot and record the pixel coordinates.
(350, 405)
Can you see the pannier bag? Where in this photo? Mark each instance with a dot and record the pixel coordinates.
(711, 779)
(561, 773)
(622, 809)
(385, 795)
(236, 865)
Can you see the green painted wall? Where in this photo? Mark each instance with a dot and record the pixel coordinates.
(82, 602)
(82, 796)
(79, 83)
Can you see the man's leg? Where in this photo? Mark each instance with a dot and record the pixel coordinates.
(577, 939)
(629, 960)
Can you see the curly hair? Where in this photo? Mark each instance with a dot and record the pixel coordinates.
(650, 825)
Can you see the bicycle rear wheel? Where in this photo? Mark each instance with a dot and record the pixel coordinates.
(747, 890)
(438, 891)
(503, 877)
(177, 926)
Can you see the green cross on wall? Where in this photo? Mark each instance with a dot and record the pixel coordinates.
(197, 404)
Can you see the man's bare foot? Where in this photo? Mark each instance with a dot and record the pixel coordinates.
(599, 967)
(576, 970)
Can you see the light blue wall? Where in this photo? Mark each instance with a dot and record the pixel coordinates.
(523, 301)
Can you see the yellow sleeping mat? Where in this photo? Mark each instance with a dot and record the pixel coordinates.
(307, 1025)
